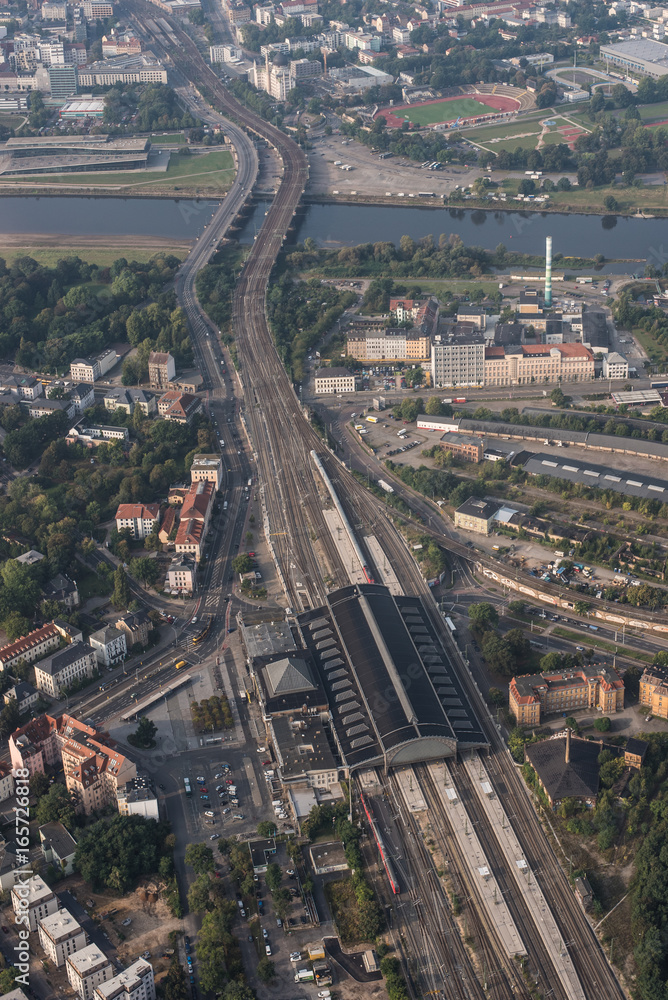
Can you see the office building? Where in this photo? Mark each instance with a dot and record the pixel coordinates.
(615, 366)
(471, 449)
(458, 356)
(477, 515)
(63, 82)
(123, 69)
(137, 798)
(596, 687)
(60, 936)
(541, 363)
(334, 380)
(366, 342)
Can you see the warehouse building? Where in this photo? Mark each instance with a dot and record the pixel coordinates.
(639, 56)
(470, 449)
(635, 484)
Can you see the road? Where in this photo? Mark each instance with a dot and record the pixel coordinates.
(306, 558)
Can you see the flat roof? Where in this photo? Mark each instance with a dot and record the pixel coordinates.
(640, 48)
(603, 477)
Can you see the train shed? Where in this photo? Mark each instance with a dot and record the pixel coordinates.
(394, 696)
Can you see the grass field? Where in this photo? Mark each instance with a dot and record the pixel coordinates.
(444, 111)
(92, 255)
(212, 172)
(654, 112)
(173, 139)
(521, 134)
(434, 287)
(11, 121)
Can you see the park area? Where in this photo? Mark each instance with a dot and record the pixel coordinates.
(449, 109)
(527, 134)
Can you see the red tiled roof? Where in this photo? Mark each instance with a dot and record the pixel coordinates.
(138, 511)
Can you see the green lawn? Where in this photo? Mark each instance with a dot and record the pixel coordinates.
(484, 134)
(11, 121)
(584, 639)
(173, 139)
(92, 255)
(444, 111)
(654, 112)
(204, 172)
(457, 287)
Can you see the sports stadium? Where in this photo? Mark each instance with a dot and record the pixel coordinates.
(466, 106)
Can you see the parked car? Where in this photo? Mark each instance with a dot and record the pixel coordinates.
(265, 933)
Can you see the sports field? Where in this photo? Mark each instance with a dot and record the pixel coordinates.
(449, 109)
(444, 111)
(525, 134)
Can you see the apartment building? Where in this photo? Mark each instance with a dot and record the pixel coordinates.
(56, 673)
(654, 691)
(95, 435)
(87, 969)
(458, 356)
(179, 407)
(140, 518)
(386, 344)
(82, 396)
(190, 538)
(61, 935)
(182, 574)
(334, 380)
(93, 767)
(137, 625)
(63, 590)
(135, 983)
(161, 369)
(32, 646)
(615, 366)
(35, 899)
(58, 847)
(130, 399)
(423, 313)
(596, 687)
(540, 363)
(195, 517)
(110, 645)
(91, 369)
(207, 468)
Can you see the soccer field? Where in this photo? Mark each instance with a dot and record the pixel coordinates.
(444, 111)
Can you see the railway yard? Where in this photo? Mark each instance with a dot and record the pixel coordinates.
(478, 904)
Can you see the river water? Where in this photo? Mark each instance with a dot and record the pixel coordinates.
(347, 225)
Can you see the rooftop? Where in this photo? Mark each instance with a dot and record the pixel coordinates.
(333, 373)
(88, 960)
(58, 838)
(636, 484)
(477, 507)
(62, 658)
(60, 925)
(127, 981)
(302, 745)
(577, 778)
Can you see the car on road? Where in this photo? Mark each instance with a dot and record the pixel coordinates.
(324, 994)
(266, 763)
(225, 811)
(242, 912)
(217, 776)
(291, 871)
(193, 621)
(229, 781)
(203, 789)
(161, 787)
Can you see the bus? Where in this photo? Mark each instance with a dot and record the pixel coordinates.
(180, 663)
(451, 625)
(186, 785)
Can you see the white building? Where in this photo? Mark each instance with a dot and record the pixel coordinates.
(123, 69)
(135, 983)
(60, 936)
(615, 366)
(57, 672)
(6, 776)
(86, 969)
(137, 798)
(140, 518)
(35, 898)
(458, 360)
(337, 380)
(82, 396)
(182, 574)
(109, 645)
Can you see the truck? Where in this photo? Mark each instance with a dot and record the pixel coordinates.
(385, 486)
(316, 951)
(372, 420)
(459, 399)
(305, 976)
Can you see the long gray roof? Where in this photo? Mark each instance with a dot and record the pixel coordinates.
(603, 477)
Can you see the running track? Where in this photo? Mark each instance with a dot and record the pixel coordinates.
(495, 102)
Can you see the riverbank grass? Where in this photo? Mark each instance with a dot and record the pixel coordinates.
(650, 199)
(200, 173)
(103, 257)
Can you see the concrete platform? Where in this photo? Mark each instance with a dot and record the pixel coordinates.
(410, 789)
(384, 572)
(525, 879)
(487, 888)
(342, 542)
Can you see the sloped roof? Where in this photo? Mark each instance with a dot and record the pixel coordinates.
(288, 676)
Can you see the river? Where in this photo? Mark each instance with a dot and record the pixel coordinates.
(346, 225)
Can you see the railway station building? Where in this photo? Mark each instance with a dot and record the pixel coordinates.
(394, 697)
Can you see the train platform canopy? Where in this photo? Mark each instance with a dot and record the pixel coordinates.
(394, 696)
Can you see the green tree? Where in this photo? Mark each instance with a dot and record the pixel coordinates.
(121, 595)
(238, 991)
(200, 858)
(433, 407)
(266, 970)
(572, 724)
(497, 698)
(39, 784)
(266, 828)
(516, 741)
(8, 979)
(146, 570)
(242, 564)
(273, 877)
(581, 608)
(603, 724)
(174, 985)
(483, 617)
(56, 806)
(15, 625)
(199, 894)
(550, 663)
(144, 734)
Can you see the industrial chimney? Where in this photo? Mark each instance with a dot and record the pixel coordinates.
(568, 737)
(548, 271)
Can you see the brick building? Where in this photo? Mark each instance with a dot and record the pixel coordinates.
(595, 687)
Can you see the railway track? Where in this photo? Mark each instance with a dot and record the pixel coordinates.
(283, 439)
